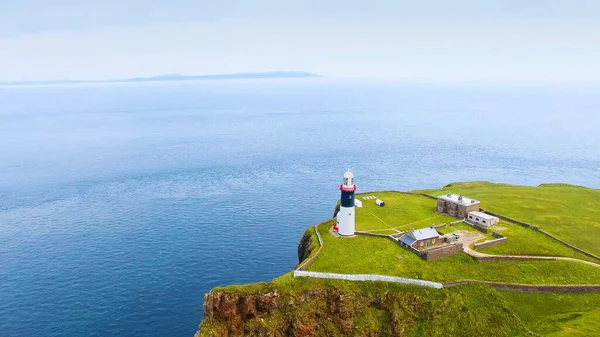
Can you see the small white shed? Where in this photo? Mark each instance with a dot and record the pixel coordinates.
(357, 203)
(380, 202)
(482, 218)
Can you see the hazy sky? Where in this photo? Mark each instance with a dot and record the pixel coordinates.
(440, 41)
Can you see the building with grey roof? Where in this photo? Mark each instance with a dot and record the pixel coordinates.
(457, 205)
(428, 244)
(423, 238)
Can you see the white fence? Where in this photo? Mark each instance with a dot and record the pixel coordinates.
(368, 277)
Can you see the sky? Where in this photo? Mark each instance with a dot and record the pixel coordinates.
(431, 41)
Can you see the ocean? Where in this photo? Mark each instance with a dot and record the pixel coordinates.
(121, 205)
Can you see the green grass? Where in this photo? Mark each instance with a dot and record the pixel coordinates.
(374, 255)
(557, 314)
(376, 307)
(524, 241)
(401, 211)
(571, 213)
(371, 309)
(381, 309)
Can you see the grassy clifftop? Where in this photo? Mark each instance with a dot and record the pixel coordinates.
(569, 212)
(379, 255)
(325, 308)
(317, 307)
(290, 306)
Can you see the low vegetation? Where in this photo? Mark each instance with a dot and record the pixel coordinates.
(571, 213)
(342, 308)
(317, 307)
(525, 241)
(307, 306)
(402, 211)
(378, 255)
(557, 314)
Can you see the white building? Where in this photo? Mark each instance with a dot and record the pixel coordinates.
(482, 219)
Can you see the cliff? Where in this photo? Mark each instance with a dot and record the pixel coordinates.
(518, 305)
(322, 308)
(290, 306)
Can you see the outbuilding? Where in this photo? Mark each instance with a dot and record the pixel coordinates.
(380, 202)
(422, 238)
(481, 218)
(357, 203)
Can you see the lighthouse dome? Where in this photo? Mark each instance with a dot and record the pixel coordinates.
(348, 179)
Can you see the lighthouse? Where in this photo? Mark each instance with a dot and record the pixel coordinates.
(345, 217)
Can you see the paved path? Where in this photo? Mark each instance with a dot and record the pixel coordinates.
(469, 237)
(475, 253)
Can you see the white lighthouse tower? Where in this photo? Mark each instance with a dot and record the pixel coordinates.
(345, 217)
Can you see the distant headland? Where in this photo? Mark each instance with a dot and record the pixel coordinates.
(179, 77)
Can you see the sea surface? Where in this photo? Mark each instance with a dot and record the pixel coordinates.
(121, 205)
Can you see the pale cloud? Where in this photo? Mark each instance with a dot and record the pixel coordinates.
(501, 41)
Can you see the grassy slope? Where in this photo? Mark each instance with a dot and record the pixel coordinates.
(404, 211)
(378, 309)
(458, 311)
(524, 241)
(401, 211)
(571, 213)
(565, 211)
(557, 314)
(374, 255)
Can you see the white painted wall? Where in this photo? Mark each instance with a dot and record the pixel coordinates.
(473, 218)
(346, 222)
(368, 277)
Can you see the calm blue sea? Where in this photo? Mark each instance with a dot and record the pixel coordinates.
(121, 205)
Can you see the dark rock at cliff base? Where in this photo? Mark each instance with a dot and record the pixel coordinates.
(336, 210)
(304, 249)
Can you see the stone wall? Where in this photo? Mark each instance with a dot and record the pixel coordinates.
(520, 223)
(570, 245)
(481, 228)
(440, 252)
(496, 258)
(499, 239)
(580, 288)
(373, 234)
(531, 287)
(368, 277)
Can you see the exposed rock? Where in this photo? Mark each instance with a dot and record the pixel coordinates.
(336, 210)
(324, 308)
(304, 247)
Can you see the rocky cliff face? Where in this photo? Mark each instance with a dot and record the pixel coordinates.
(233, 311)
(309, 307)
(320, 312)
(304, 247)
(316, 307)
